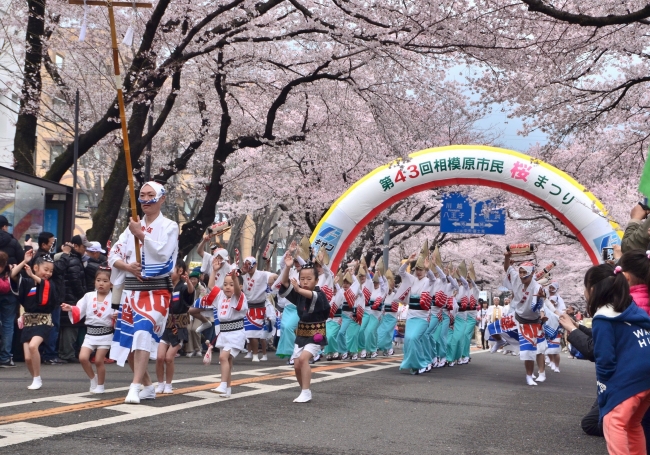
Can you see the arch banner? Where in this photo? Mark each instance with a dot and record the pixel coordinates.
(474, 165)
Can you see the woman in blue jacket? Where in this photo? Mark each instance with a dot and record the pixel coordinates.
(621, 332)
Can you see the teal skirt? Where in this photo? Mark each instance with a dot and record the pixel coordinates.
(332, 328)
(441, 334)
(414, 352)
(288, 325)
(385, 331)
(370, 334)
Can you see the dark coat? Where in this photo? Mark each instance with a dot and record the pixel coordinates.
(10, 245)
(92, 265)
(75, 284)
(583, 341)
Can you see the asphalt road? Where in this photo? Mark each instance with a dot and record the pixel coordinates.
(357, 408)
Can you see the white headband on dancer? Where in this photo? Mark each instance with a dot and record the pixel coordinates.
(251, 260)
(158, 188)
(529, 267)
(221, 252)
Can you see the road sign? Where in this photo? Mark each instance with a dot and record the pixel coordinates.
(460, 215)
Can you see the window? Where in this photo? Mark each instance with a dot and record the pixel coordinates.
(83, 201)
(58, 61)
(55, 151)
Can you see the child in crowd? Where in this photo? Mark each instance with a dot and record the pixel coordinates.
(36, 294)
(95, 307)
(622, 353)
(231, 305)
(175, 333)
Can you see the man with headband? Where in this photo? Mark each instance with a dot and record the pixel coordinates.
(256, 283)
(528, 300)
(146, 288)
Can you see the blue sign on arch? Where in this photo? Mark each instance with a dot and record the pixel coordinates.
(460, 215)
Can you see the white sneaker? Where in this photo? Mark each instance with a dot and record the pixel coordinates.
(556, 370)
(98, 389)
(451, 364)
(363, 354)
(354, 356)
(37, 383)
(249, 355)
(530, 380)
(160, 387)
(497, 346)
(223, 387)
(304, 397)
(504, 352)
(204, 326)
(541, 377)
(373, 355)
(255, 358)
(93, 383)
(391, 352)
(344, 356)
(133, 397)
(442, 362)
(168, 389)
(190, 354)
(264, 358)
(226, 394)
(147, 393)
(513, 353)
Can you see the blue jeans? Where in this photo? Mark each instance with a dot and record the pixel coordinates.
(50, 350)
(8, 307)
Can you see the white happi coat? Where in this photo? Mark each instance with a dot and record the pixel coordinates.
(143, 314)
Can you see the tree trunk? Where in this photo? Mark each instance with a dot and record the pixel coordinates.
(25, 138)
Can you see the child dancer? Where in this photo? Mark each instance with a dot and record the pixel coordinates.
(95, 307)
(313, 309)
(232, 306)
(36, 294)
(620, 332)
(175, 333)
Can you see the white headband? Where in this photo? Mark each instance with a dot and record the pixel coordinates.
(158, 188)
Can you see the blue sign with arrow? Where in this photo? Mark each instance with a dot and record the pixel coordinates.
(460, 215)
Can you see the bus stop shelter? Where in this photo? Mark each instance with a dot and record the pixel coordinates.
(33, 205)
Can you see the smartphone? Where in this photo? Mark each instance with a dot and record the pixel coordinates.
(644, 204)
(608, 253)
(53, 249)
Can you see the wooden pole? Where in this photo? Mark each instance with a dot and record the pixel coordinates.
(120, 96)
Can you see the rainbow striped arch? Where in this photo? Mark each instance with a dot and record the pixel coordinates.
(508, 170)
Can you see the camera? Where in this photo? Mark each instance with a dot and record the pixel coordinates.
(608, 253)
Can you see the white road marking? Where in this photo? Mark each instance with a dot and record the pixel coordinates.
(20, 432)
(87, 396)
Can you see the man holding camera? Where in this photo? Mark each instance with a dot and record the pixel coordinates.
(636, 235)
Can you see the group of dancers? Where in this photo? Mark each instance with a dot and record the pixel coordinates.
(439, 313)
(144, 298)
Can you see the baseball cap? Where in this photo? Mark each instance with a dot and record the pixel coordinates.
(80, 240)
(4, 221)
(95, 247)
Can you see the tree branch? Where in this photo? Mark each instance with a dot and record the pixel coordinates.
(583, 20)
